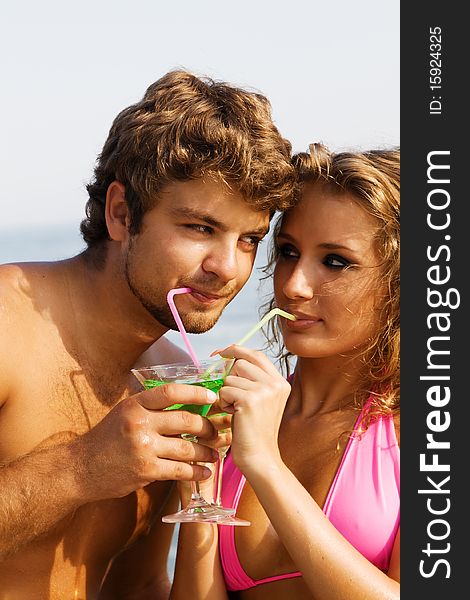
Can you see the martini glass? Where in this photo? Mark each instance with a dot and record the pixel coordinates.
(210, 374)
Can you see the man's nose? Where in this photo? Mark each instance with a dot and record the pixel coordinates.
(223, 262)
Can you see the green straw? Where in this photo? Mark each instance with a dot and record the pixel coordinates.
(272, 313)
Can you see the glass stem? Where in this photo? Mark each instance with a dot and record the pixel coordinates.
(195, 491)
(222, 454)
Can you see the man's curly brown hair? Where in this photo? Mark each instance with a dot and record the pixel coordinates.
(187, 127)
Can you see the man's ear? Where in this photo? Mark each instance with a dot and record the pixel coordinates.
(116, 212)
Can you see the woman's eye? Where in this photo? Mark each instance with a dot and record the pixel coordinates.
(333, 261)
(288, 251)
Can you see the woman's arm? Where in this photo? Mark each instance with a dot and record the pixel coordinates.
(332, 568)
(198, 572)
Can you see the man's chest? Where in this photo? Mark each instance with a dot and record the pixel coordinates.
(52, 402)
(53, 399)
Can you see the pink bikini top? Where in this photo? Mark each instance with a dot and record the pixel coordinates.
(363, 502)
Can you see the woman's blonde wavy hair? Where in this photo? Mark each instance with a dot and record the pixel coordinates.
(373, 178)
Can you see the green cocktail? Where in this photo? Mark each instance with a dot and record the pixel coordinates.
(211, 384)
(209, 374)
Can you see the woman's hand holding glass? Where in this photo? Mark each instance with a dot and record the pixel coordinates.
(256, 394)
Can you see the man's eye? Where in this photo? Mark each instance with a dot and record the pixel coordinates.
(333, 261)
(251, 240)
(200, 228)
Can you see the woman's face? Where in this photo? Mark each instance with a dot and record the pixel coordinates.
(328, 275)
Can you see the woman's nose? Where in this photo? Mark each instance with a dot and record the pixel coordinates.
(299, 284)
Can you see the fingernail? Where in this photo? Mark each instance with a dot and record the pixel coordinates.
(211, 396)
(215, 352)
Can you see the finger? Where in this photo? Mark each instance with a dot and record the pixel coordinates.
(237, 399)
(227, 406)
(220, 420)
(183, 450)
(215, 408)
(254, 356)
(180, 471)
(228, 398)
(223, 439)
(215, 352)
(244, 383)
(164, 396)
(176, 422)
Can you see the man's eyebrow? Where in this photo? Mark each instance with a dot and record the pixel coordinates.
(197, 215)
(204, 217)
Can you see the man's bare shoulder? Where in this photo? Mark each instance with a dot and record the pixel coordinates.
(25, 283)
(15, 294)
(11, 317)
(161, 352)
(21, 284)
(17, 313)
(11, 276)
(18, 279)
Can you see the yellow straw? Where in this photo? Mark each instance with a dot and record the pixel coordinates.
(272, 313)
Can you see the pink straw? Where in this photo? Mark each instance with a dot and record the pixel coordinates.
(179, 322)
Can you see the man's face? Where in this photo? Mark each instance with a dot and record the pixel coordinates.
(199, 235)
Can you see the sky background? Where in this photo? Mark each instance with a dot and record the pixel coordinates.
(67, 69)
(331, 73)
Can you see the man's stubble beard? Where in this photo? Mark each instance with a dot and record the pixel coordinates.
(160, 310)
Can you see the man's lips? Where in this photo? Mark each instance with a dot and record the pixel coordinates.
(206, 297)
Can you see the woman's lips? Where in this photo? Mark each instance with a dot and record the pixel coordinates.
(301, 322)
